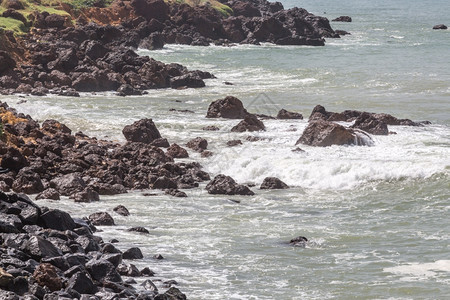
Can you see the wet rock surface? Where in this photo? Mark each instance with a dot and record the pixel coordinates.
(226, 185)
(57, 163)
(273, 183)
(229, 107)
(44, 261)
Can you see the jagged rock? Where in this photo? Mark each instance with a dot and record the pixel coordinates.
(176, 151)
(198, 144)
(226, 185)
(271, 183)
(230, 107)
(68, 184)
(82, 283)
(370, 124)
(143, 131)
(250, 123)
(46, 276)
(58, 220)
(186, 80)
(49, 193)
(102, 270)
(87, 195)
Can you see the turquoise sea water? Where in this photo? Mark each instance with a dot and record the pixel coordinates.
(377, 217)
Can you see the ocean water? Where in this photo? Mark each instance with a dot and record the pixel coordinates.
(377, 218)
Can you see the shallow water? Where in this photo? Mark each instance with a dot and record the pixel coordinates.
(376, 217)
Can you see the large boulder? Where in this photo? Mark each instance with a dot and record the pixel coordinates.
(39, 247)
(250, 123)
(225, 185)
(58, 220)
(324, 133)
(68, 184)
(101, 219)
(230, 107)
(177, 151)
(143, 131)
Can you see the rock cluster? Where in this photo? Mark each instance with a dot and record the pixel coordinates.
(60, 58)
(322, 131)
(47, 254)
(51, 161)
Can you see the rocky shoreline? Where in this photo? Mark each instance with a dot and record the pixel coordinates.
(46, 252)
(98, 52)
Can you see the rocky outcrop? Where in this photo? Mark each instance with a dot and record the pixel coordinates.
(324, 133)
(226, 185)
(229, 107)
(273, 183)
(250, 123)
(369, 123)
(54, 162)
(320, 113)
(43, 261)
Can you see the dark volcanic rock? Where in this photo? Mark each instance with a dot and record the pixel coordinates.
(234, 143)
(121, 210)
(143, 131)
(229, 107)
(133, 253)
(186, 80)
(440, 26)
(6, 62)
(176, 151)
(101, 218)
(198, 144)
(271, 183)
(342, 19)
(226, 185)
(323, 134)
(58, 220)
(250, 123)
(299, 241)
(284, 114)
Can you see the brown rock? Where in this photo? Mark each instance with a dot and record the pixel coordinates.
(370, 124)
(46, 275)
(143, 131)
(198, 144)
(229, 107)
(323, 134)
(226, 185)
(272, 183)
(284, 114)
(176, 151)
(250, 123)
(101, 219)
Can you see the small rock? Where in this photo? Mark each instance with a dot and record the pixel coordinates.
(343, 19)
(121, 210)
(139, 229)
(440, 26)
(273, 183)
(234, 143)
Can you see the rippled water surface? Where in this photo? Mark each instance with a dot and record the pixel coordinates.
(377, 218)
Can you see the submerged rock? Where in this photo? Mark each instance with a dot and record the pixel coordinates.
(284, 114)
(342, 19)
(440, 26)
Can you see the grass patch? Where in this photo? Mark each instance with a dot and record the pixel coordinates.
(13, 25)
(223, 9)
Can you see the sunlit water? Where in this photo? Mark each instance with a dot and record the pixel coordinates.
(376, 217)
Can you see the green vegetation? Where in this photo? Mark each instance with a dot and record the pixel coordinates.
(13, 25)
(1, 129)
(223, 9)
(78, 4)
